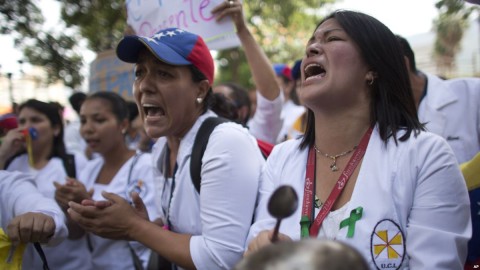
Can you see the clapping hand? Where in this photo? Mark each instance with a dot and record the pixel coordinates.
(113, 218)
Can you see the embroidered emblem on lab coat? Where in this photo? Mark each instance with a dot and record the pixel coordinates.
(387, 245)
(137, 186)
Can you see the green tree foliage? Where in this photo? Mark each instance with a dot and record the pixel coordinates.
(100, 22)
(56, 52)
(281, 28)
(449, 27)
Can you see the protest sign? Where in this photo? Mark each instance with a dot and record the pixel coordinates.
(148, 17)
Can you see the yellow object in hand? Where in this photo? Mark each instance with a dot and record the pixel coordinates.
(10, 255)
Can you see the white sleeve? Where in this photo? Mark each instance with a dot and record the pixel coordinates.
(270, 174)
(19, 195)
(439, 225)
(230, 171)
(267, 122)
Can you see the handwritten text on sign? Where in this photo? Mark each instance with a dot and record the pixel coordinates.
(147, 17)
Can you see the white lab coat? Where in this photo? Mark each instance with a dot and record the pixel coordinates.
(413, 191)
(451, 109)
(70, 253)
(19, 195)
(267, 121)
(219, 218)
(115, 254)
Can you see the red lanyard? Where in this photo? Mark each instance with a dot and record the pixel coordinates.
(308, 195)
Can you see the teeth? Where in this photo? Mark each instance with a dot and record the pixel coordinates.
(314, 70)
(153, 110)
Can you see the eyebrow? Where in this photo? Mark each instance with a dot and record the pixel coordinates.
(325, 33)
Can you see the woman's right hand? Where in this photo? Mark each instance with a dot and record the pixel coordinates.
(72, 190)
(12, 143)
(264, 238)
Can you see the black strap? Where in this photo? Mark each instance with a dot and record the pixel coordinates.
(69, 165)
(199, 146)
(40, 252)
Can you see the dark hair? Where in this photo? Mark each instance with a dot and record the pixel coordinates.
(118, 105)
(217, 103)
(132, 110)
(240, 98)
(408, 52)
(51, 111)
(76, 100)
(392, 106)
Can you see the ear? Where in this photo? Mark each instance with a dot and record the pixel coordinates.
(371, 75)
(56, 131)
(203, 88)
(124, 126)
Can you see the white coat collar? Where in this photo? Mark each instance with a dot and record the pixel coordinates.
(438, 94)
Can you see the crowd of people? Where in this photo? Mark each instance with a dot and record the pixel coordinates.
(373, 147)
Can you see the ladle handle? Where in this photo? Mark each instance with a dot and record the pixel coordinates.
(275, 231)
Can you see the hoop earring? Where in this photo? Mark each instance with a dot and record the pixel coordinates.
(199, 100)
(370, 82)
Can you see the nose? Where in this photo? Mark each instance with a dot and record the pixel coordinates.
(144, 84)
(313, 48)
(86, 127)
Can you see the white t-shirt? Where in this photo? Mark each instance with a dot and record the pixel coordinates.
(115, 254)
(70, 254)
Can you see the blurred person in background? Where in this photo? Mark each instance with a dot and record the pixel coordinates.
(308, 254)
(45, 159)
(450, 108)
(118, 170)
(291, 109)
(74, 142)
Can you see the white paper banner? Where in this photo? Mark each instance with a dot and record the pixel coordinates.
(147, 17)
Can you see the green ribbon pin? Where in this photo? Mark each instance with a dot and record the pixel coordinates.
(355, 215)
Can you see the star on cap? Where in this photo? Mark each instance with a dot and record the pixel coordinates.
(180, 31)
(159, 35)
(170, 33)
(151, 40)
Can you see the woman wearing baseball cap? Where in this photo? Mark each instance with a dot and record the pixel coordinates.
(174, 73)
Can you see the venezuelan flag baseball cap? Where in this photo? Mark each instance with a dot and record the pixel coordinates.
(173, 46)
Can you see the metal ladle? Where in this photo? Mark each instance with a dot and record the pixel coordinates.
(282, 204)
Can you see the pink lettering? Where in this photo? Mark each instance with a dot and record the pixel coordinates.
(204, 4)
(185, 24)
(191, 11)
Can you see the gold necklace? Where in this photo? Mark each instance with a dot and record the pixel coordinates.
(333, 166)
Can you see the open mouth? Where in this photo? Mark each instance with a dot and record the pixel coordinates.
(153, 110)
(314, 71)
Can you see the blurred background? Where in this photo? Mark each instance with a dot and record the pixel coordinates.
(50, 49)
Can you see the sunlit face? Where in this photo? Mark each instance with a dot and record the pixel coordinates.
(99, 126)
(333, 71)
(166, 96)
(28, 118)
